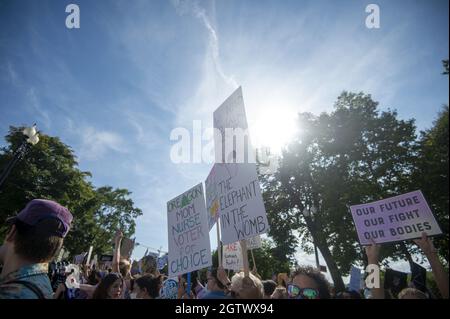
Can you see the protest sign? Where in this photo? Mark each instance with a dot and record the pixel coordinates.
(162, 261)
(126, 248)
(241, 207)
(169, 289)
(106, 258)
(188, 231)
(232, 257)
(254, 242)
(355, 279)
(394, 219)
(78, 259)
(212, 201)
(233, 142)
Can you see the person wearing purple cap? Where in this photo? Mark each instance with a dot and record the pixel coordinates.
(35, 236)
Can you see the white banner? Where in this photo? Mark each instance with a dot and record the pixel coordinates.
(241, 206)
(254, 242)
(230, 120)
(188, 231)
(232, 257)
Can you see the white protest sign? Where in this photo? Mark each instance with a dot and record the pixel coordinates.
(254, 242)
(212, 200)
(394, 219)
(230, 120)
(188, 231)
(241, 206)
(232, 257)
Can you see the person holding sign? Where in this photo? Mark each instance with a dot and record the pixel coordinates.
(441, 277)
(215, 289)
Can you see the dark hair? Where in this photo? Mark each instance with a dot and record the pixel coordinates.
(317, 276)
(352, 294)
(213, 272)
(150, 283)
(101, 292)
(38, 243)
(269, 287)
(92, 279)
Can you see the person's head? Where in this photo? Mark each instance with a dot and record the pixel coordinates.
(36, 233)
(411, 293)
(348, 294)
(124, 267)
(308, 283)
(246, 287)
(94, 277)
(269, 288)
(147, 287)
(213, 283)
(110, 287)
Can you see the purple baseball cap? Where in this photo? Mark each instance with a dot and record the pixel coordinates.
(39, 209)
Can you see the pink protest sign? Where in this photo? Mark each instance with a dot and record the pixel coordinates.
(393, 219)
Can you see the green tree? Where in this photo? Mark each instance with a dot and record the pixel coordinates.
(50, 170)
(431, 175)
(354, 154)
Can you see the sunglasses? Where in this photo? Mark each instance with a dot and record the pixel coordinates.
(295, 292)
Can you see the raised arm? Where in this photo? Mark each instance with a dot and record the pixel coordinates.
(440, 275)
(116, 258)
(373, 253)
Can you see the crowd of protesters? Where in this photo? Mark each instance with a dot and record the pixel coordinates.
(36, 235)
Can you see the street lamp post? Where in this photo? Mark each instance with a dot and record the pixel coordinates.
(31, 137)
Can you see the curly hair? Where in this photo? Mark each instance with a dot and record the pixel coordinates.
(317, 276)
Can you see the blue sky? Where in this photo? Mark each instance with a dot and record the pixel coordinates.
(115, 88)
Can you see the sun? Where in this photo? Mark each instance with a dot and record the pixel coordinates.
(273, 128)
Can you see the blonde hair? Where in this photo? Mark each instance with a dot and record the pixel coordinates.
(255, 291)
(411, 292)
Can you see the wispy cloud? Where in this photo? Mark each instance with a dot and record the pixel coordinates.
(95, 144)
(35, 107)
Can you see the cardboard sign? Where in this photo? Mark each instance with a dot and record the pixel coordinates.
(126, 248)
(241, 206)
(394, 219)
(188, 231)
(254, 242)
(162, 262)
(232, 257)
(230, 120)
